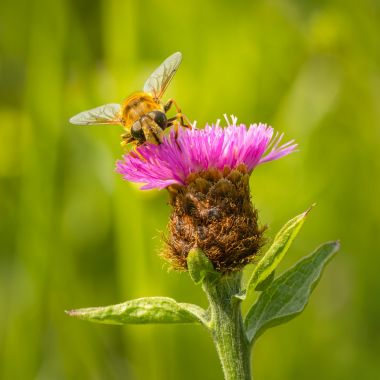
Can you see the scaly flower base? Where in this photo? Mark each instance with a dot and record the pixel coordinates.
(214, 213)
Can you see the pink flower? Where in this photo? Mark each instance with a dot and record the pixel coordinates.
(158, 166)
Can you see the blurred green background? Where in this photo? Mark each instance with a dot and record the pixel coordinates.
(73, 234)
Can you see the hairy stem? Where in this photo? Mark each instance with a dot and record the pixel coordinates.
(227, 327)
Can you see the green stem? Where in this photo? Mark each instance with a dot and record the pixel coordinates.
(227, 328)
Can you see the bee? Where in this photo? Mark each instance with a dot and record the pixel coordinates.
(142, 114)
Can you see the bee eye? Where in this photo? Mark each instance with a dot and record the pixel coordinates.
(137, 131)
(159, 118)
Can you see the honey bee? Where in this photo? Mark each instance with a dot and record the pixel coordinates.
(142, 114)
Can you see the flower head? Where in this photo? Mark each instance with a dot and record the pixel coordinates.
(195, 150)
(207, 174)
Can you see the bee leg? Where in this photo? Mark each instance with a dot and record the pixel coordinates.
(176, 122)
(126, 139)
(133, 152)
(173, 122)
(179, 115)
(169, 104)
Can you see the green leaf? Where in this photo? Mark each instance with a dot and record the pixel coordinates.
(276, 252)
(200, 267)
(143, 311)
(265, 283)
(288, 295)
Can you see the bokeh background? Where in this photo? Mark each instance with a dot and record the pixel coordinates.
(73, 234)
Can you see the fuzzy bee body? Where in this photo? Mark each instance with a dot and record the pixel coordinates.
(143, 119)
(142, 114)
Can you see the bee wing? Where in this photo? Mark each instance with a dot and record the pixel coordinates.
(105, 114)
(159, 80)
